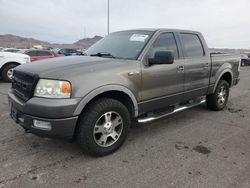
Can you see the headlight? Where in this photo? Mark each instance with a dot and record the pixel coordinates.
(53, 89)
(27, 59)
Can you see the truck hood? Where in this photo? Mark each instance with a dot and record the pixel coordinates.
(65, 67)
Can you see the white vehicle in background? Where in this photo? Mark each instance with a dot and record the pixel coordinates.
(14, 50)
(8, 61)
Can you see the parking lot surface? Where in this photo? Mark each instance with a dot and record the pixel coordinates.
(193, 148)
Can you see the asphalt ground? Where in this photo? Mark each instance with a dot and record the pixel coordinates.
(194, 148)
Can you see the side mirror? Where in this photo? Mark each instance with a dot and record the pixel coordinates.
(162, 57)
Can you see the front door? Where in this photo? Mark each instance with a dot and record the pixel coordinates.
(162, 84)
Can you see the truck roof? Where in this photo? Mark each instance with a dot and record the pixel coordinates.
(162, 29)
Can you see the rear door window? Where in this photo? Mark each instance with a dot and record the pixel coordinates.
(31, 53)
(43, 53)
(192, 46)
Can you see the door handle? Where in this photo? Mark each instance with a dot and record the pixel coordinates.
(180, 68)
(206, 66)
(133, 73)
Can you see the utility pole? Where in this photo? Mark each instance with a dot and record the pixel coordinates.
(84, 30)
(108, 19)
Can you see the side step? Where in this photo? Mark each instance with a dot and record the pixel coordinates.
(178, 109)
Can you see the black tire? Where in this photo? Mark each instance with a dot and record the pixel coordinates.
(214, 102)
(6, 70)
(88, 120)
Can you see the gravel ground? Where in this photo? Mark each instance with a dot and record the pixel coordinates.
(194, 148)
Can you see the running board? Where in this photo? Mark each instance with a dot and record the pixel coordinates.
(179, 109)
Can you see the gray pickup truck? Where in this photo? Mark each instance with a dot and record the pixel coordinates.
(141, 75)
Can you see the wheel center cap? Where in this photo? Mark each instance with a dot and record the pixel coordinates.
(108, 127)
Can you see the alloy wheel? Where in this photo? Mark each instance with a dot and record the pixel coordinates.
(222, 95)
(10, 73)
(108, 128)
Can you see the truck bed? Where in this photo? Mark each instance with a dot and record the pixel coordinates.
(222, 61)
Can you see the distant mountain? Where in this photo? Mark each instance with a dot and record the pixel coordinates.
(88, 41)
(13, 41)
(229, 50)
(19, 42)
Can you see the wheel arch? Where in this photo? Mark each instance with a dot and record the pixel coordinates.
(9, 63)
(226, 75)
(118, 92)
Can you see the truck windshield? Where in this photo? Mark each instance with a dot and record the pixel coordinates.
(122, 45)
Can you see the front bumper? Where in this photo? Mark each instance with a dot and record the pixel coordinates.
(58, 113)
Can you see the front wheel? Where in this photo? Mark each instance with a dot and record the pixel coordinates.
(103, 127)
(218, 100)
(7, 72)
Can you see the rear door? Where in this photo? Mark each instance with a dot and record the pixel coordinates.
(32, 54)
(162, 84)
(196, 65)
(44, 55)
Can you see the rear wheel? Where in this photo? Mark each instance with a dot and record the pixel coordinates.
(218, 100)
(243, 63)
(103, 127)
(7, 72)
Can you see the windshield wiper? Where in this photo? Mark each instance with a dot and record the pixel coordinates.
(103, 54)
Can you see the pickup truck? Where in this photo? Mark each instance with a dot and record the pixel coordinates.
(8, 61)
(135, 75)
(245, 60)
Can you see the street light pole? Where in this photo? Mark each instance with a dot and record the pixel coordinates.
(108, 19)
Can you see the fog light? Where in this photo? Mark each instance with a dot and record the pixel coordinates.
(42, 125)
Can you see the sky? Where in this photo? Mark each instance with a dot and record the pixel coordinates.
(224, 23)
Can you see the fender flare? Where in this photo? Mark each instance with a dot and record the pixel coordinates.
(9, 62)
(91, 95)
(221, 74)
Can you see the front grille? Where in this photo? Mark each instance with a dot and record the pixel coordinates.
(23, 85)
